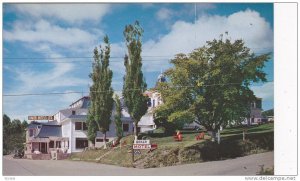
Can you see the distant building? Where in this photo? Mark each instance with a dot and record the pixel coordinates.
(255, 113)
(154, 100)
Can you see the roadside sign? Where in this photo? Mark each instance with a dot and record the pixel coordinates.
(142, 142)
(141, 146)
(137, 152)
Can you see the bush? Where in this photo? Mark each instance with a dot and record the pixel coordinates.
(265, 171)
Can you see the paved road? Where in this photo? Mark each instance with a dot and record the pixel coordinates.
(248, 165)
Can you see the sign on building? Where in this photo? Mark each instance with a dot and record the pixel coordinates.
(40, 117)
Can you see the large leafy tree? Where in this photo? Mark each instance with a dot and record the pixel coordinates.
(101, 91)
(211, 84)
(134, 83)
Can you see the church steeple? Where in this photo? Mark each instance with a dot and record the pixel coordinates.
(161, 78)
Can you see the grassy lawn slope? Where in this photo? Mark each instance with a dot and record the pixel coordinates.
(169, 152)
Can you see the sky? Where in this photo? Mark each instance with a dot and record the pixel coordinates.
(48, 48)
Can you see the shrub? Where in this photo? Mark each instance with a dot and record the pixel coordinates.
(265, 171)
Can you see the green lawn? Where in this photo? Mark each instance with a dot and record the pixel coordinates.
(189, 138)
(190, 150)
(249, 130)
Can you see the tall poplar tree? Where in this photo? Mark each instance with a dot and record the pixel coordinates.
(92, 126)
(118, 114)
(134, 83)
(101, 91)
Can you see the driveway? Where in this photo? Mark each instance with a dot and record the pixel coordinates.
(247, 165)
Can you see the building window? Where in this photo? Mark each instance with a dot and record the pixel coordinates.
(51, 144)
(73, 112)
(125, 127)
(78, 125)
(58, 144)
(31, 132)
(81, 143)
(81, 126)
(149, 102)
(84, 127)
(101, 140)
(258, 103)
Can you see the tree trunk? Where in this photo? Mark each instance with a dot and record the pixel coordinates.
(219, 136)
(92, 145)
(244, 135)
(104, 140)
(135, 130)
(213, 135)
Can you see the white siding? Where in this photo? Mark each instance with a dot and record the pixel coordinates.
(147, 128)
(76, 134)
(67, 132)
(66, 129)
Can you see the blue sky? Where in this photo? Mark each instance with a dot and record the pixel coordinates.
(40, 34)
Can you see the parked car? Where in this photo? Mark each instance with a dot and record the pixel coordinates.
(19, 153)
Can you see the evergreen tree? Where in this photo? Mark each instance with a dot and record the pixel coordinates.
(101, 91)
(134, 83)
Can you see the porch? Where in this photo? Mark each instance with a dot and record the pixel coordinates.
(41, 148)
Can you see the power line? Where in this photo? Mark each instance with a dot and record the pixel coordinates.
(157, 59)
(81, 92)
(113, 57)
(74, 61)
(89, 57)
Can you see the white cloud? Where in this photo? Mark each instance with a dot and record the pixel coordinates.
(44, 32)
(164, 14)
(51, 80)
(265, 91)
(72, 13)
(184, 36)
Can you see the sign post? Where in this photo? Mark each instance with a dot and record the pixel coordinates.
(139, 145)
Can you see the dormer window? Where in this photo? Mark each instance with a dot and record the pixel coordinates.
(73, 112)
